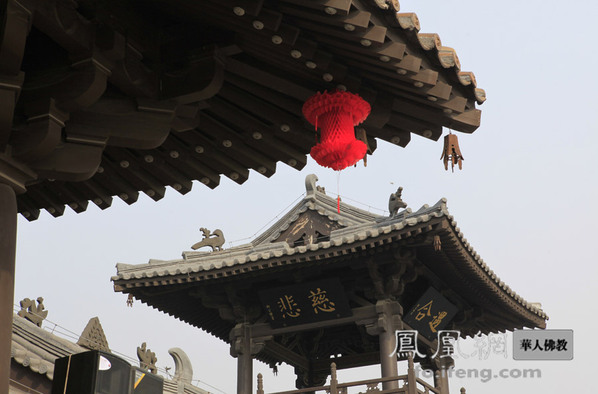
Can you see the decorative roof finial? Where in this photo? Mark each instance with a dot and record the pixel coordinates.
(183, 371)
(395, 203)
(214, 240)
(147, 358)
(310, 185)
(93, 336)
(34, 313)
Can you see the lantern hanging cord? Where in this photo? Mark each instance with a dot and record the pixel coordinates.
(338, 191)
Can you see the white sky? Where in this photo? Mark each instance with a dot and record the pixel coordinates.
(524, 199)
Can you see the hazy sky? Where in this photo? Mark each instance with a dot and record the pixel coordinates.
(525, 199)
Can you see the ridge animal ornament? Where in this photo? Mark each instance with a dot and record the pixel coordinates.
(395, 202)
(452, 152)
(214, 240)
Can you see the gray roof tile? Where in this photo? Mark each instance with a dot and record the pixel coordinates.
(358, 225)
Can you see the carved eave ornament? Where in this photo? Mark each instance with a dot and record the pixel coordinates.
(104, 99)
(92, 92)
(93, 337)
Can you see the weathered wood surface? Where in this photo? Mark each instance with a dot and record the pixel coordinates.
(185, 91)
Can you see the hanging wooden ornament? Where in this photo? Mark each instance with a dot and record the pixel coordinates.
(361, 135)
(336, 114)
(452, 152)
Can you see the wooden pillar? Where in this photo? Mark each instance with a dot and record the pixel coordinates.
(385, 326)
(241, 349)
(8, 243)
(333, 379)
(244, 347)
(388, 358)
(411, 378)
(244, 373)
(441, 380)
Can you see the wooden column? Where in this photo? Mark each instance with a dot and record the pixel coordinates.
(441, 380)
(440, 366)
(8, 242)
(244, 373)
(388, 322)
(388, 359)
(411, 378)
(241, 349)
(244, 347)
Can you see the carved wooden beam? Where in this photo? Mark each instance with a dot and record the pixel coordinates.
(372, 35)
(15, 174)
(284, 354)
(335, 7)
(14, 33)
(14, 37)
(467, 122)
(48, 201)
(201, 79)
(229, 139)
(282, 128)
(95, 193)
(112, 180)
(215, 301)
(123, 122)
(76, 201)
(254, 132)
(129, 168)
(354, 20)
(10, 88)
(217, 158)
(79, 86)
(43, 131)
(207, 161)
(348, 361)
(263, 78)
(188, 163)
(69, 162)
(364, 313)
(28, 208)
(62, 22)
(246, 7)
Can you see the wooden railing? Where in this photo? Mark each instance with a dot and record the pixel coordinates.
(407, 384)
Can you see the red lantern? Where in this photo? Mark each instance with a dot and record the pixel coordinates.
(337, 113)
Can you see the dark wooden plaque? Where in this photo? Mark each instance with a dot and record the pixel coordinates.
(431, 313)
(305, 303)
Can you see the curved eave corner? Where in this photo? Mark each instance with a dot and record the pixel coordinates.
(531, 311)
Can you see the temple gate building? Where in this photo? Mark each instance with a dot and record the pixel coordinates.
(104, 99)
(322, 285)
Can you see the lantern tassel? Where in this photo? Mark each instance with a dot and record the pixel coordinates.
(338, 204)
